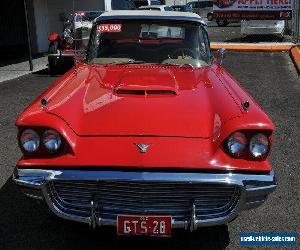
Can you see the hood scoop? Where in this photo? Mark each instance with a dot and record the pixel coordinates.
(144, 82)
(145, 92)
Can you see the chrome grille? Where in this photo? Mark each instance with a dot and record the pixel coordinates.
(114, 198)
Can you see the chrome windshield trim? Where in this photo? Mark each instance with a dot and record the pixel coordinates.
(155, 18)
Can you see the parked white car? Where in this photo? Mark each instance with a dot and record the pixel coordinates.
(262, 27)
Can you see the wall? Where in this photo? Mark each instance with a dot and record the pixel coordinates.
(41, 24)
(13, 35)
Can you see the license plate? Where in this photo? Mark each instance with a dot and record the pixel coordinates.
(144, 225)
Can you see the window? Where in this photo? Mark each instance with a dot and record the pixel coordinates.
(168, 8)
(139, 3)
(122, 4)
(154, 2)
(151, 41)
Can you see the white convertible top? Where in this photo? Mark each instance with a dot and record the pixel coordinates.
(153, 14)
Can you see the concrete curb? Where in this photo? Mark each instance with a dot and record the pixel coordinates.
(265, 47)
(295, 55)
(248, 47)
(17, 70)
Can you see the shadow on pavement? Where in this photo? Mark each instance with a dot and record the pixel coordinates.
(60, 71)
(13, 58)
(28, 224)
(43, 72)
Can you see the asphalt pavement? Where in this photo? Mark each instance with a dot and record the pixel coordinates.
(232, 34)
(270, 78)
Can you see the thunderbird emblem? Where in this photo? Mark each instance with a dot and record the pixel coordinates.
(143, 147)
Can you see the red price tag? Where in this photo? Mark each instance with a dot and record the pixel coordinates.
(109, 28)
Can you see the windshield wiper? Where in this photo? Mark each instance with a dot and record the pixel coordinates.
(126, 62)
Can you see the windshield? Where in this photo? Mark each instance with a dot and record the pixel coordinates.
(149, 41)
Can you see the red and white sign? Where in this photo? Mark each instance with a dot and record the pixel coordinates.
(144, 225)
(253, 9)
(109, 28)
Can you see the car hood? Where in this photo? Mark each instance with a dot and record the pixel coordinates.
(143, 100)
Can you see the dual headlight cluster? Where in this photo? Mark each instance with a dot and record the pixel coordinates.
(258, 144)
(31, 141)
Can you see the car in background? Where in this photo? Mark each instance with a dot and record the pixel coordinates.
(182, 8)
(73, 40)
(203, 8)
(149, 134)
(263, 27)
(66, 47)
(157, 7)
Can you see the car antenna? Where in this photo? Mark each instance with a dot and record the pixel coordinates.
(246, 105)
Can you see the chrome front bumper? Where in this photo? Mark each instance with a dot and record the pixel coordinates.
(253, 190)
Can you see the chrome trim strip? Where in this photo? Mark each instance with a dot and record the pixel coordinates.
(62, 55)
(253, 187)
(138, 17)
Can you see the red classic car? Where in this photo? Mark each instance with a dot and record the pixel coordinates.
(64, 48)
(149, 134)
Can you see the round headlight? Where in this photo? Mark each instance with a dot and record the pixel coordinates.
(30, 140)
(236, 143)
(51, 140)
(259, 145)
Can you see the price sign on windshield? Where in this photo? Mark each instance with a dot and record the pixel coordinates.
(109, 28)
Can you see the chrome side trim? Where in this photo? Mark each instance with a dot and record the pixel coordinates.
(254, 190)
(62, 55)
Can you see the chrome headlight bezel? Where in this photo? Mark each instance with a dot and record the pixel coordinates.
(52, 141)
(259, 146)
(236, 144)
(29, 141)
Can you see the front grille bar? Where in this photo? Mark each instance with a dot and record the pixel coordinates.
(248, 193)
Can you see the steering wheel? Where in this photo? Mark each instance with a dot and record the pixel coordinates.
(184, 52)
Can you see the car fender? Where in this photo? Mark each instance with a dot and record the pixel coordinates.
(53, 37)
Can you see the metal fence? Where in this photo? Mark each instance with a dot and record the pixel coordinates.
(296, 20)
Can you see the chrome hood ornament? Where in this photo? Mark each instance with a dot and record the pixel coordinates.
(143, 147)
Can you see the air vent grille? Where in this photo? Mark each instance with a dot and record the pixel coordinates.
(144, 92)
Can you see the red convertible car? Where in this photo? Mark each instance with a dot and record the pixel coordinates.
(149, 134)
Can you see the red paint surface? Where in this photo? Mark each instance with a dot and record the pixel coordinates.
(186, 127)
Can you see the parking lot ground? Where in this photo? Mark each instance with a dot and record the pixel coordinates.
(271, 79)
(232, 34)
(12, 69)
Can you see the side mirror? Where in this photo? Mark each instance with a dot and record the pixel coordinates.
(221, 55)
